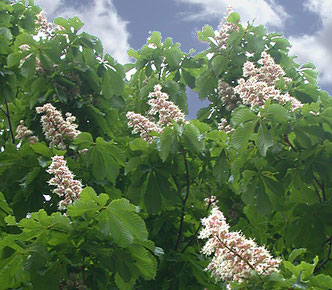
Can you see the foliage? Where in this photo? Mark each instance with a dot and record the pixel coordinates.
(136, 223)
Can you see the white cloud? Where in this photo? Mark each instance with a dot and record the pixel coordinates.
(317, 48)
(266, 12)
(49, 5)
(101, 19)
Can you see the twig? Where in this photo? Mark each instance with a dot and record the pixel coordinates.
(329, 240)
(4, 112)
(184, 201)
(9, 123)
(321, 185)
(318, 194)
(236, 254)
(289, 143)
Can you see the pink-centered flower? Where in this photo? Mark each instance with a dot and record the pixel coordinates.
(142, 125)
(168, 112)
(260, 84)
(55, 127)
(162, 113)
(234, 256)
(225, 29)
(64, 182)
(24, 133)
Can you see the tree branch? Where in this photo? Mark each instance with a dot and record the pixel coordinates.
(321, 185)
(4, 112)
(289, 143)
(321, 265)
(318, 194)
(236, 254)
(184, 201)
(9, 122)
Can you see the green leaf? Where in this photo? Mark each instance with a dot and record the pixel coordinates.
(264, 139)
(84, 140)
(76, 23)
(206, 84)
(121, 222)
(42, 149)
(123, 285)
(133, 163)
(103, 164)
(155, 38)
(110, 225)
(80, 207)
(188, 78)
(295, 253)
(138, 145)
(221, 169)
(28, 68)
(145, 262)
(277, 113)
(311, 76)
(234, 18)
(167, 143)
(242, 115)
(112, 84)
(192, 139)
(321, 281)
(152, 197)
(206, 33)
(173, 57)
(14, 59)
(240, 137)
(219, 64)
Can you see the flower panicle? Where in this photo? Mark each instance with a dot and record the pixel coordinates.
(23, 132)
(167, 113)
(64, 181)
(234, 256)
(225, 29)
(167, 110)
(260, 84)
(142, 125)
(55, 127)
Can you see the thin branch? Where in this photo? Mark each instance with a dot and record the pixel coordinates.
(289, 143)
(9, 123)
(236, 254)
(321, 185)
(176, 182)
(321, 265)
(184, 201)
(318, 194)
(4, 112)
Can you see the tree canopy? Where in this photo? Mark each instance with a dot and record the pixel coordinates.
(104, 184)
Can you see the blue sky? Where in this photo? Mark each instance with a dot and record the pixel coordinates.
(121, 24)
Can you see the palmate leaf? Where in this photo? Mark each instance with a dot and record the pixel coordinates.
(192, 139)
(110, 224)
(145, 262)
(80, 207)
(11, 271)
(264, 139)
(122, 223)
(167, 143)
(242, 134)
(277, 113)
(152, 197)
(242, 115)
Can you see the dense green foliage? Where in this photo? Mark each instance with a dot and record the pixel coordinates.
(136, 222)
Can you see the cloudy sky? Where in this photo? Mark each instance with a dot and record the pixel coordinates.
(122, 24)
